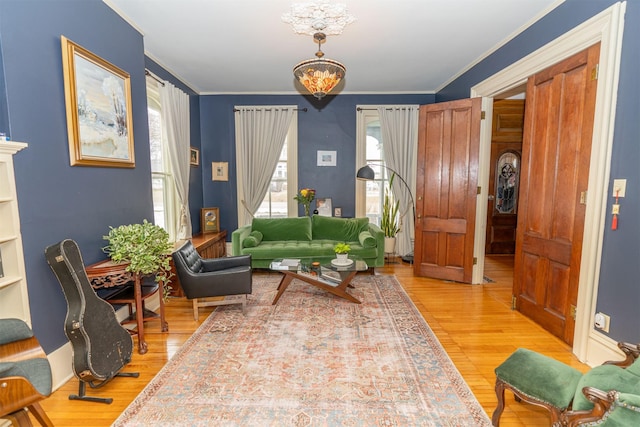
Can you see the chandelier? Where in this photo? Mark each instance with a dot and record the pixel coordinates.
(319, 75)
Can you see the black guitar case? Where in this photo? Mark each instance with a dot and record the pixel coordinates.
(101, 346)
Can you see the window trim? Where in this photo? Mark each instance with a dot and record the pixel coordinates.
(169, 189)
(365, 114)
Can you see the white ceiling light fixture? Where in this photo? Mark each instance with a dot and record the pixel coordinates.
(319, 75)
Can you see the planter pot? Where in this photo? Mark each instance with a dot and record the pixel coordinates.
(389, 245)
(342, 257)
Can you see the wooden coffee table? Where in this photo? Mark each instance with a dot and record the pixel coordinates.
(321, 273)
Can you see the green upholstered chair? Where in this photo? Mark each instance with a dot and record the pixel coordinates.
(25, 374)
(607, 395)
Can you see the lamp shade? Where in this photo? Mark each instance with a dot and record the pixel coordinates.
(319, 75)
(366, 173)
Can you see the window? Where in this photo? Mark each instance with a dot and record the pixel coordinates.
(163, 187)
(370, 194)
(276, 202)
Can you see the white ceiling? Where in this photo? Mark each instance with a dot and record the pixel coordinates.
(394, 46)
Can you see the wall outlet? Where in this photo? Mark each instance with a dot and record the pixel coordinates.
(601, 321)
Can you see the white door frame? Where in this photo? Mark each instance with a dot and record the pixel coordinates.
(607, 27)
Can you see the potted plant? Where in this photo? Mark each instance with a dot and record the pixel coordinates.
(145, 247)
(342, 251)
(389, 223)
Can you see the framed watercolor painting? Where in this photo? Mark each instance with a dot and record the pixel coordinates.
(98, 103)
(210, 220)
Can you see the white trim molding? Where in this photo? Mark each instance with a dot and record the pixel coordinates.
(607, 28)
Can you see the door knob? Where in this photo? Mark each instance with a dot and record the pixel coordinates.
(491, 197)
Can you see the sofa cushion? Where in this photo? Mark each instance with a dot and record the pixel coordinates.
(283, 228)
(338, 229)
(252, 240)
(367, 240)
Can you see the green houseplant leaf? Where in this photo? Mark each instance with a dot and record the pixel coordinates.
(389, 222)
(145, 247)
(342, 248)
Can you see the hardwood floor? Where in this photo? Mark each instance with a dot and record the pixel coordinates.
(475, 325)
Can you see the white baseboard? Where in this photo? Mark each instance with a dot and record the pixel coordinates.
(601, 348)
(61, 359)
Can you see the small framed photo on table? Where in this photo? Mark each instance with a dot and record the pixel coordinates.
(210, 220)
(323, 206)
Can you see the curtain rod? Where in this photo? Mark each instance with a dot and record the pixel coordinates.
(235, 110)
(375, 109)
(153, 76)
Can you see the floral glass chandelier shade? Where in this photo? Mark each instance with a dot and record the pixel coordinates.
(319, 76)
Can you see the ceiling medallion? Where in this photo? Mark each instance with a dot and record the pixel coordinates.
(319, 75)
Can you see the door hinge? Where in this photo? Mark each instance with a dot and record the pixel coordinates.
(513, 302)
(475, 261)
(479, 190)
(573, 311)
(483, 115)
(583, 197)
(594, 72)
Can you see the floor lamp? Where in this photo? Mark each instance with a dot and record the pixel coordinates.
(365, 173)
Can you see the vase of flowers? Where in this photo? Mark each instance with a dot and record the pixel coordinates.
(305, 196)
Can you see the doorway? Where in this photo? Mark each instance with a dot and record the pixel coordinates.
(607, 28)
(505, 168)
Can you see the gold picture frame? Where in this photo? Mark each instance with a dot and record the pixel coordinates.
(210, 220)
(99, 112)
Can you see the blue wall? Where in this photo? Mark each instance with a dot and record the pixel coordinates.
(328, 124)
(58, 201)
(619, 292)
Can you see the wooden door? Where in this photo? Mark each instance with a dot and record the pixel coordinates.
(446, 189)
(556, 155)
(504, 176)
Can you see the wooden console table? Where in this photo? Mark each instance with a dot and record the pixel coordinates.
(208, 245)
(107, 274)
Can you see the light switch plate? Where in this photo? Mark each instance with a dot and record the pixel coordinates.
(619, 186)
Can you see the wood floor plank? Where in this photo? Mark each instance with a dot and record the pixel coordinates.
(475, 325)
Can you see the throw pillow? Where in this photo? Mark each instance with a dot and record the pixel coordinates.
(252, 240)
(367, 240)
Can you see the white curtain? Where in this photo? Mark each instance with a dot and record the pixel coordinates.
(175, 130)
(399, 128)
(260, 136)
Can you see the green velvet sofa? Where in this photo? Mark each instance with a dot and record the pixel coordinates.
(269, 238)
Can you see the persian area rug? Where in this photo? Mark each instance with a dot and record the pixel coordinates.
(313, 359)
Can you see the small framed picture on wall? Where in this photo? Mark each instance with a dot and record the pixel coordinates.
(220, 171)
(210, 220)
(194, 157)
